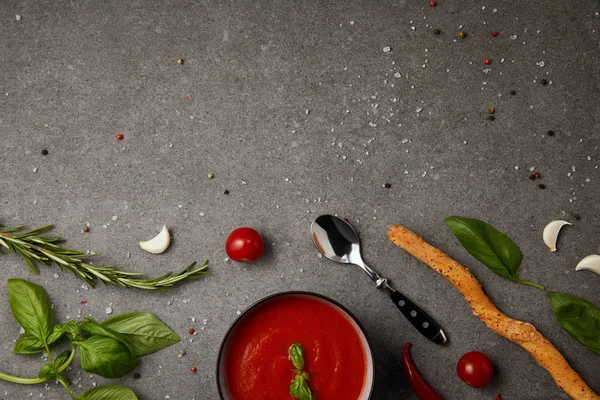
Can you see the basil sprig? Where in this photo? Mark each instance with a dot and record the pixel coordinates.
(490, 246)
(578, 317)
(110, 349)
(299, 387)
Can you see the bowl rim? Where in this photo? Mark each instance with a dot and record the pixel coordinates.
(286, 293)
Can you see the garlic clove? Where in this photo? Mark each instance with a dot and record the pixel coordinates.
(591, 263)
(159, 243)
(551, 233)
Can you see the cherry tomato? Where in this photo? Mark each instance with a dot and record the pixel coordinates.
(244, 245)
(475, 369)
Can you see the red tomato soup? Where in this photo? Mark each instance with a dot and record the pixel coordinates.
(257, 364)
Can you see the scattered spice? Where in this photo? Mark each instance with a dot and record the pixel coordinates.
(487, 61)
(137, 375)
(512, 92)
(550, 133)
(85, 229)
(491, 117)
(387, 185)
(491, 110)
(432, 3)
(84, 302)
(542, 186)
(44, 152)
(346, 219)
(226, 192)
(534, 176)
(180, 61)
(498, 397)
(577, 217)
(193, 369)
(210, 175)
(181, 353)
(462, 34)
(436, 31)
(495, 33)
(120, 136)
(191, 331)
(544, 82)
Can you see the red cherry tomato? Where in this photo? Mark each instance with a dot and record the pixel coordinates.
(244, 245)
(475, 369)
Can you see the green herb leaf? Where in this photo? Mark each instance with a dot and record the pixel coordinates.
(578, 317)
(299, 389)
(106, 357)
(95, 329)
(61, 359)
(112, 392)
(47, 372)
(142, 331)
(30, 307)
(296, 355)
(490, 246)
(71, 329)
(29, 344)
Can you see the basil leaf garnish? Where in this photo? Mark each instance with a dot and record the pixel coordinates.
(106, 357)
(299, 389)
(31, 308)
(578, 317)
(143, 332)
(490, 246)
(112, 392)
(296, 355)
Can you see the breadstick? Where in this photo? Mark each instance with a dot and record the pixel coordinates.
(519, 332)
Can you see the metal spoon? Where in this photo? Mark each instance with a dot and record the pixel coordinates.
(339, 242)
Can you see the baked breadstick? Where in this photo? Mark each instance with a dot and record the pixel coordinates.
(519, 332)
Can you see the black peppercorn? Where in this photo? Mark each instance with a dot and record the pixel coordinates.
(532, 177)
(136, 375)
(491, 117)
(387, 185)
(436, 31)
(577, 217)
(542, 186)
(44, 152)
(226, 191)
(550, 133)
(512, 92)
(544, 82)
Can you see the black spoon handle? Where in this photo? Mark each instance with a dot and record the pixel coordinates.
(420, 320)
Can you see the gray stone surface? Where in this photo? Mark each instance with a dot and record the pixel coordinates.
(296, 109)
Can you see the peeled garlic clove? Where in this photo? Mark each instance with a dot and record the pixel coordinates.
(551, 233)
(591, 263)
(159, 243)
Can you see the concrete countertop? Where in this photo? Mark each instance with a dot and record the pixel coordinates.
(297, 109)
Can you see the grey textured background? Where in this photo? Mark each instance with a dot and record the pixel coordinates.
(73, 74)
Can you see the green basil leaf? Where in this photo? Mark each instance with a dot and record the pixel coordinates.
(106, 357)
(61, 359)
(47, 372)
(142, 331)
(28, 344)
(490, 246)
(578, 317)
(71, 329)
(30, 307)
(92, 327)
(296, 355)
(299, 389)
(112, 392)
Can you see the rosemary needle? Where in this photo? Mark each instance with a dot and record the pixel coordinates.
(35, 248)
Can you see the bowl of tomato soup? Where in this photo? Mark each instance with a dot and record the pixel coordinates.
(254, 360)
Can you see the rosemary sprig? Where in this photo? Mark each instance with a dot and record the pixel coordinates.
(38, 249)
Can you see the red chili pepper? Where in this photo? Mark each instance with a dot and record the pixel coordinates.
(416, 381)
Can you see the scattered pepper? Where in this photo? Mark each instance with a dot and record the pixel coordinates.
(544, 82)
(495, 33)
(436, 31)
(136, 375)
(491, 117)
(487, 61)
(534, 176)
(550, 133)
(85, 229)
(191, 331)
(387, 185)
(491, 110)
(120, 136)
(462, 34)
(226, 192)
(542, 186)
(415, 380)
(432, 3)
(180, 61)
(44, 152)
(499, 397)
(512, 92)
(83, 302)
(210, 175)
(193, 369)
(577, 217)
